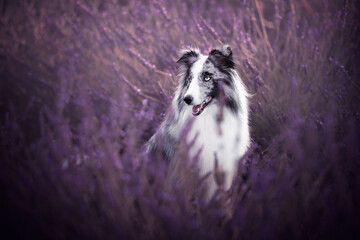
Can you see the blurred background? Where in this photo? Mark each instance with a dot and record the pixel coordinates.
(84, 84)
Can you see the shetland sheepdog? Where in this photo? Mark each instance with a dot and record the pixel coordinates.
(212, 96)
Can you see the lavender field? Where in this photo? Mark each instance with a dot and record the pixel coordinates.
(84, 84)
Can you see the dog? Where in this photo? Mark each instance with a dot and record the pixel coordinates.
(212, 96)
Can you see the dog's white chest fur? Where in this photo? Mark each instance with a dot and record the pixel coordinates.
(222, 138)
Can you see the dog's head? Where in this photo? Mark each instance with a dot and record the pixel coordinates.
(204, 77)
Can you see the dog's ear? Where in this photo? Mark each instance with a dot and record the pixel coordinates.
(188, 57)
(222, 57)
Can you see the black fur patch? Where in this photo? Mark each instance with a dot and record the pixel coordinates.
(188, 58)
(230, 102)
(220, 60)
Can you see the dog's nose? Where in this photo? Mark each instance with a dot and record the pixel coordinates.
(188, 99)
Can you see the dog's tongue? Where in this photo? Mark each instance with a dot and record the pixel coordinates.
(196, 109)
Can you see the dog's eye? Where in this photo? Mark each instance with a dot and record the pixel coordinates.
(207, 78)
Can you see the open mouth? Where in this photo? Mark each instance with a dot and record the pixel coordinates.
(196, 110)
